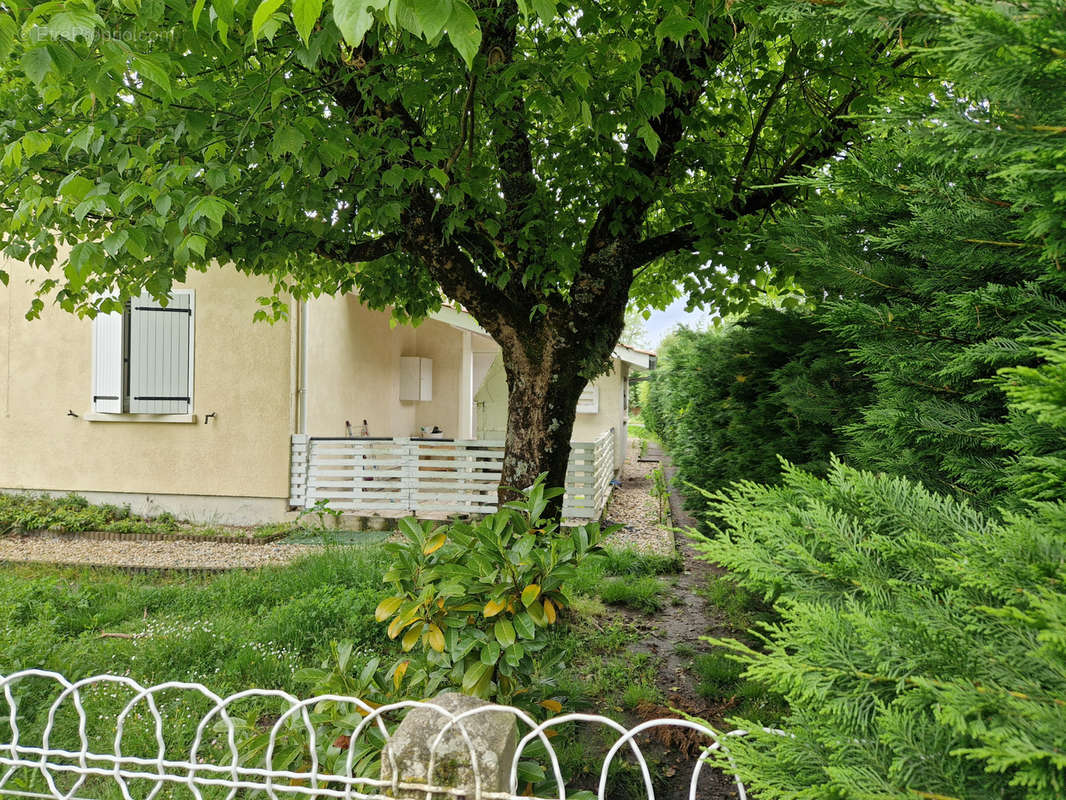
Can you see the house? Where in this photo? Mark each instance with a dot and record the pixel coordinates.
(194, 409)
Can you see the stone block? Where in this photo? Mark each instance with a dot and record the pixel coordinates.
(493, 735)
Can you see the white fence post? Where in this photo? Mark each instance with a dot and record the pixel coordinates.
(298, 470)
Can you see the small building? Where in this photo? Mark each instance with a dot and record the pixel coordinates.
(194, 409)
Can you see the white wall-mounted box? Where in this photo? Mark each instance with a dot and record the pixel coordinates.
(416, 378)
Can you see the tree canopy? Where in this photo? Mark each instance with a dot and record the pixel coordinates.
(326, 148)
(534, 163)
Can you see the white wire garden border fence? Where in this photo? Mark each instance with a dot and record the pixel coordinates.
(66, 771)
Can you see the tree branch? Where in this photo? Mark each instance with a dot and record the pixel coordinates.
(648, 250)
(509, 125)
(357, 252)
(760, 123)
(683, 61)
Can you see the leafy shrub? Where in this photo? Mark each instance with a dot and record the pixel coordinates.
(73, 514)
(729, 401)
(478, 599)
(920, 645)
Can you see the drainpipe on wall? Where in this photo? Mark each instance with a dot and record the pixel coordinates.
(301, 387)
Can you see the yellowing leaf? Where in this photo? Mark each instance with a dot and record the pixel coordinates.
(387, 607)
(395, 627)
(530, 593)
(549, 611)
(493, 607)
(436, 638)
(410, 638)
(552, 705)
(434, 544)
(397, 676)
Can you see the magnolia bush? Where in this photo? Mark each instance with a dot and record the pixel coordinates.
(475, 602)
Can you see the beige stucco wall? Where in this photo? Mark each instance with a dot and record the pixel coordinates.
(353, 360)
(353, 371)
(444, 345)
(241, 373)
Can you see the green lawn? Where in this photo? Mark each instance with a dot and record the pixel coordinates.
(231, 631)
(242, 628)
(258, 628)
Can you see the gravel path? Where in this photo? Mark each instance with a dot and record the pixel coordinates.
(44, 548)
(632, 505)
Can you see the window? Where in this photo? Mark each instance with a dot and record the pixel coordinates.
(143, 357)
(589, 402)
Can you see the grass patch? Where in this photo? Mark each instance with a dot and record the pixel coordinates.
(640, 594)
(742, 609)
(630, 562)
(229, 631)
(625, 577)
(722, 679)
(73, 513)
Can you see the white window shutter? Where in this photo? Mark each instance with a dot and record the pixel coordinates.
(589, 402)
(107, 363)
(161, 355)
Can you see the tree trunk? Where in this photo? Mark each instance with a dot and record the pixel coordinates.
(546, 365)
(542, 397)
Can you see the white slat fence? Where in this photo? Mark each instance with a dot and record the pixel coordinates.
(418, 476)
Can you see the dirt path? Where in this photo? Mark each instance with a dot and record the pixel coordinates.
(672, 635)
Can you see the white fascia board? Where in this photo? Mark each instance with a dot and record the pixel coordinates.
(638, 358)
(457, 319)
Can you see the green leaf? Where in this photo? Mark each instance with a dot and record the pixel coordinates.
(464, 31)
(440, 176)
(35, 142)
(305, 14)
(650, 137)
(387, 607)
(84, 258)
(432, 16)
(530, 593)
(74, 24)
(353, 18)
(8, 32)
(524, 626)
(545, 9)
(197, 10)
(150, 68)
(513, 654)
(75, 187)
(288, 139)
(37, 63)
(675, 27)
(473, 675)
(490, 653)
(263, 13)
(504, 632)
(113, 241)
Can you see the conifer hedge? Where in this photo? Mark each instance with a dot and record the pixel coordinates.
(730, 400)
(921, 642)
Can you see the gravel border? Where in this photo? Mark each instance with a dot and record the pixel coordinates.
(71, 549)
(633, 506)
